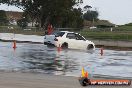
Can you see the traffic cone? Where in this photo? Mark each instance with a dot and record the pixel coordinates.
(86, 74)
(84, 80)
(14, 44)
(101, 51)
(59, 48)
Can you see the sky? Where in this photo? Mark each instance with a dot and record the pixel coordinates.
(116, 11)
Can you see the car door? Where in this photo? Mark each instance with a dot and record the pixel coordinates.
(71, 40)
(80, 42)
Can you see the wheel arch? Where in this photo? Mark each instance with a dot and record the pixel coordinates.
(64, 45)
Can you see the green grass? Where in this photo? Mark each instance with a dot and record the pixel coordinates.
(119, 33)
(123, 32)
(107, 35)
(123, 28)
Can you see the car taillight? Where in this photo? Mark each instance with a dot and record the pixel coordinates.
(56, 39)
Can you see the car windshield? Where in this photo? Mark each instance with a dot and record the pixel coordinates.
(57, 34)
(79, 37)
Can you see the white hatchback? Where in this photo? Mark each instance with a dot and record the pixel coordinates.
(66, 39)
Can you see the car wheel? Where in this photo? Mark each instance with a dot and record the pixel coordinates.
(64, 46)
(50, 46)
(90, 47)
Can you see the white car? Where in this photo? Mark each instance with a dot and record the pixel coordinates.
(66, 39)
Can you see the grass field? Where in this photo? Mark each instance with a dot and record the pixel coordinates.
(119, 33)
(123, 28)
(107, 35)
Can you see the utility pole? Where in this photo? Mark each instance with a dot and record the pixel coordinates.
(93, 22)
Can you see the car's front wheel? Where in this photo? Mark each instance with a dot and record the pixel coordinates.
(90, 47)
(50, 46)
(64, 46)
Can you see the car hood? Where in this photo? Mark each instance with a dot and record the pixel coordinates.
(90, 42)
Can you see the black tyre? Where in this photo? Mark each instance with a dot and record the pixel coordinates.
(64, 46)
(50, 46)
(90, 47)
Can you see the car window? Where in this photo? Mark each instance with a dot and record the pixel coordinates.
(57, 34)
(71, 36)
(79, 37)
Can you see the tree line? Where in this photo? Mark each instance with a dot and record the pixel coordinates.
(59, 13)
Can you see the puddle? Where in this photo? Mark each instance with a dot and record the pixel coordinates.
(40, 59)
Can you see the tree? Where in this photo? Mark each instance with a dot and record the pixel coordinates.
(23, 23)
(76, 19)
(55, 12)
(3, 18)
(91, 15)
(87, 8)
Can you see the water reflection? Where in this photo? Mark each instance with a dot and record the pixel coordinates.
(51, 62)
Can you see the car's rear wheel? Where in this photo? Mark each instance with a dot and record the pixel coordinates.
(64, 46)
(90, 47)
(50, 46)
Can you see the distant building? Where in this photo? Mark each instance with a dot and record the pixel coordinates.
(87, 24)
(14, 16)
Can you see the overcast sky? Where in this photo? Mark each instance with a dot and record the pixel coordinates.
(116, 11)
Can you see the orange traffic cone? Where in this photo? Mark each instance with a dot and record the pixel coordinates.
(59, 48)
(86, 74)
(101, 51)
(14, 44)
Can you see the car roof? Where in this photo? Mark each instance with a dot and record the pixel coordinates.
(67, 31)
